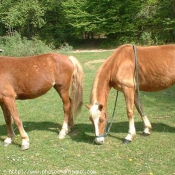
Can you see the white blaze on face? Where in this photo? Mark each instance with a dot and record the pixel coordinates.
(95, 114)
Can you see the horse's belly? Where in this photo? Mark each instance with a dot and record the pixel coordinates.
(154, 85)
(34, 91)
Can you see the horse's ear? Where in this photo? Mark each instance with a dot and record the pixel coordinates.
(88, 106)
(100, 107)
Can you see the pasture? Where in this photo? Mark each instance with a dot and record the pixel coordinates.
(77, 154)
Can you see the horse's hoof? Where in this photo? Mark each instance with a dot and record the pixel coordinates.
(145, 134)
(126, 141)
(6, 144)
(25, 145)
(7, 141)
(61, 136)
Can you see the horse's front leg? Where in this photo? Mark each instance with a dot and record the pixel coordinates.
(11, 107)
(129, 98)
(68, 122)
(8, 120)
(147, 124)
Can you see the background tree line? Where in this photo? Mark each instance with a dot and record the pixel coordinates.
(120, 21)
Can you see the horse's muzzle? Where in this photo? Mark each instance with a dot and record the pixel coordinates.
(99, 140)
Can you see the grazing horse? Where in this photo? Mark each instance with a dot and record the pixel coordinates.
(156, 71)
(30, 77)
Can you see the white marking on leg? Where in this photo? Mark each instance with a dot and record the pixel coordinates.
(65, 126)
(146, 130)
(129, 137)
(64, 131)
(25, 144)
(7, 141)
(132, 131)
(147, 125)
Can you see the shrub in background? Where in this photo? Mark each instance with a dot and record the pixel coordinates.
(65, 48)
(16, 46)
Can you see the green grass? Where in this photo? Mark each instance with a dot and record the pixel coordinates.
(77, 154)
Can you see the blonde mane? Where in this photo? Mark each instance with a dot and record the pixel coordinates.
(98, 77)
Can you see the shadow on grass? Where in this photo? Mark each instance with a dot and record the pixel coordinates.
(85, 132)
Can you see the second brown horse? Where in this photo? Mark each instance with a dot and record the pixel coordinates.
(156, 71)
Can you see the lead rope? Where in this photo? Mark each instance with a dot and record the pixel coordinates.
(112, 118)
(137, 79)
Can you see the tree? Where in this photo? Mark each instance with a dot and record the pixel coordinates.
(76, 14)
(23, 16)
(157, 18)
(55, 29)
(58, 21)
(166, 21)
(110, 17)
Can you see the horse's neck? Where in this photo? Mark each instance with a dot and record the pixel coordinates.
(101, 87)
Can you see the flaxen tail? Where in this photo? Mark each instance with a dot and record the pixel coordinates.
(77, 87)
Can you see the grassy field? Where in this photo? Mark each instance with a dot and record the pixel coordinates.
(77, 154)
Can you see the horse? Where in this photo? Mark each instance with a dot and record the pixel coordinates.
(31, 77)
(156, 71)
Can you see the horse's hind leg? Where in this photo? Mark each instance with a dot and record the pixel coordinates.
(68, 121)
(146, 122)
(129, 98)
(10, 105)
(8, 120)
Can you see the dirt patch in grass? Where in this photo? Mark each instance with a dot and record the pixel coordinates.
(90, 64)
(92, 50)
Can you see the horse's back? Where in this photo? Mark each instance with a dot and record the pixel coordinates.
(30, 77)
(155, 63)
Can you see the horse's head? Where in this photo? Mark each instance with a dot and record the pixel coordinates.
(99, 119)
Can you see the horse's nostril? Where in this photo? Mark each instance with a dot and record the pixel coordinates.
(99, 142)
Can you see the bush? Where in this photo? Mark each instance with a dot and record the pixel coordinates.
(65, 48)
(16, 46)
(146, 39)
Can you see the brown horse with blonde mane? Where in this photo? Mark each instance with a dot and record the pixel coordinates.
(156, 71)
(30, 77)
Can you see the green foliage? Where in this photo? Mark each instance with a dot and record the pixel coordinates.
(107, 17)
(65, 48)
(25, 16)
(146, 39)
(58, 21)
(158, 18)
(17, 46)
